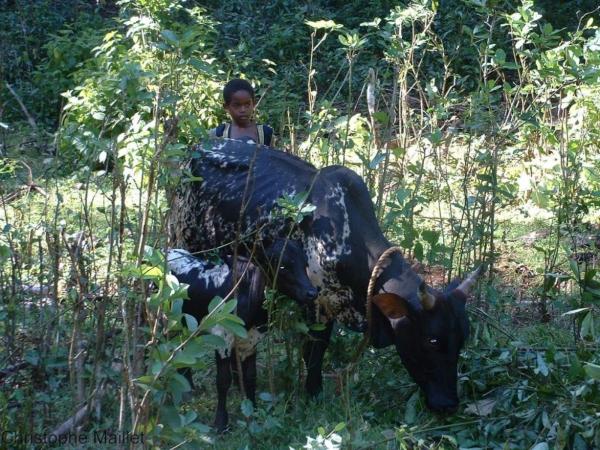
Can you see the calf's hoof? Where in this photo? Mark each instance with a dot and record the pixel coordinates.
(221, 423)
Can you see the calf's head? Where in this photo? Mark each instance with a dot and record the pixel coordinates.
(284, 262)
(429, 336)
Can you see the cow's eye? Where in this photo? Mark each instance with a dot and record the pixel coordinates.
(433, 344)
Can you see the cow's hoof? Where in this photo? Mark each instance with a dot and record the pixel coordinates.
(316, 396)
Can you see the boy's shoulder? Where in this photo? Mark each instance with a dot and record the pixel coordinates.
(265, 133)
(221, 130)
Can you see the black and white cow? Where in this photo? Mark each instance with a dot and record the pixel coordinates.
(342, 241)
(206, 280)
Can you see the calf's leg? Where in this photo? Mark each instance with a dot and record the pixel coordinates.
(249, 374)
(223, 384)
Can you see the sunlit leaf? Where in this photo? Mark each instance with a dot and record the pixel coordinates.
(323, 24)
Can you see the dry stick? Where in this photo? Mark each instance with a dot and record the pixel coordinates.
(23, 108)
(122, 211)
(244, 204)
(158, 149)
(101, 311)
(75, 368)
(391, 121)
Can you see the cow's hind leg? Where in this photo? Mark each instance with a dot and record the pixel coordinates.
(314, 350)
(223, 384)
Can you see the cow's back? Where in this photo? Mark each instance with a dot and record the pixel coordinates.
(235, 179)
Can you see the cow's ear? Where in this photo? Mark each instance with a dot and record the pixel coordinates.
(391, 305)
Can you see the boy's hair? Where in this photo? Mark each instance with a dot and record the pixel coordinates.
(237, 84)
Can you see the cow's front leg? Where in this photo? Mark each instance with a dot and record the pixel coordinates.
(223, 384)
(314, 350)
(249, 373)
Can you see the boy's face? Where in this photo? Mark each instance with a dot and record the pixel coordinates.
(241, 108)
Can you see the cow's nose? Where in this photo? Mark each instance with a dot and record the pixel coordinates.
(312, 293)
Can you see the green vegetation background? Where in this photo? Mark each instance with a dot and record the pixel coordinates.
(474, 125)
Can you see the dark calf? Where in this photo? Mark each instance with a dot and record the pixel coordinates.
(283, 262)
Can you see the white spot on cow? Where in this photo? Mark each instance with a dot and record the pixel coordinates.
(246, 347)
(182, 262)
(229, 338)
(342, 239)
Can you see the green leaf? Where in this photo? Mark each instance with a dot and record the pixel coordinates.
(300, 327)
(247, 408)
(179, 383)
(381, 117)
(183, 358)
(500, 57)
(592, 370)
(4, 253)
(170, 37)
(418, 251)
(191, 322)
(200, 66)
(265, 397)
(212, 340)
(430, 236)
(151, 272)
(235, 328)
(170, 417)
(339, 427)
(540, 198)
(587, 326)
(410, 413)
(379, 157)
(594, 292)
(542, 367)
(148, 380)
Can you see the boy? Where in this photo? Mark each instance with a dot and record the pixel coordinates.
(239, 101)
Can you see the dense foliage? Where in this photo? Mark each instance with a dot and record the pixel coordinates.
(474, 125)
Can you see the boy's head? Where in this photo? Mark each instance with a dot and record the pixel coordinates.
(239, 100)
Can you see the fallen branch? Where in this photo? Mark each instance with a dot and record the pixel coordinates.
(25, 189)
(73, 422)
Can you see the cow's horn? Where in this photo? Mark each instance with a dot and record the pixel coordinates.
(467, 284)
(427, 300)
